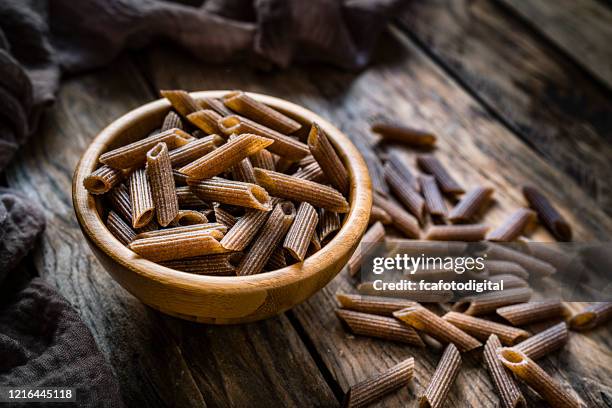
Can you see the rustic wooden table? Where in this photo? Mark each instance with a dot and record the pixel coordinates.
(517, 91)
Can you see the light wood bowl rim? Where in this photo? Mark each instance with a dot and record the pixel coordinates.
(95, 229)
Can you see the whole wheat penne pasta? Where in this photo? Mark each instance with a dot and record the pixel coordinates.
(301, 232)
(180, 179)
(373, 237)
(243, 171)
(240, 102)
(381, 327)
(141, 198)
(207, 120)
(178, 246)
(224, 217)
(421, 296)
(405, 194)
(434, 202)
(404, 135)
(592, 316)
(463, 232)
(119, 199)
(379, 385)
(181, 101)
(544, 342)
(471, 204)
(277, 260)
(263, 159)
(271, 234)
(372, 304)
(329, 222)
(102, 179)
(244, 230)
(535, 267)
(510, 395)
(231, 192)
(442, 380)
(431, 165)
(489, 302)
(283, 145)
(378, 214)
(399, 165)
(510, 281)
(547, 252)
(219, 228)
(532, 374)
(548, 214)
(135, 154)
(187, 199)
(123, 232)
(482, 329)
(495, 267)
(426, 321)
(402, 220)
(214, 104)
(531, 312)
(312, 172)
(194, 150)
(189, 217)
(292, 188)
(325, 154)
(217, 264)
(171, 121)
(159, 171)
(513, 226)
(225, 156)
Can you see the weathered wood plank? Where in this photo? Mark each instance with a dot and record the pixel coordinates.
(552, 105)
(160, 361)
(405, 85)
(581, 28)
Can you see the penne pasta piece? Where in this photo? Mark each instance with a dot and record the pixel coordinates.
(159, 172)
(442, 380)
(379, 385)
(506, 268)
(218, 264)
(482, 329)
(431, 165)
(207, 120)
(271, 234)
(532, 374)
(380, 327)
(406, 194)
(283, 145)
(531, 312)
(225, 156)
(405, 135)
(102, 179)
(509, 393)
(240, 102)
(215, 105)
(189, 217)
(428, 322)
(510, 281)
(489, 302)
(244, 230)
(277, 260)
(178, 246)
(401, 219)
(135, 154)
(546, 252)
(194, 150)
(373, 237)
(123, 232)
(592, 316)
(329, 161)
(372, 304)
(301, 232)
(171, 121)
(312, 172)
(231, 192)
(220, 228)
(471, 204)
(224, 217)
(512, 227)
(181, 101)
(292, 188)
(141, 198)
(329, 222)
(398, 164)
(378, 214)
(463, 232)
(549, 216)
(263, 159)
(536, 267)
(243, 170)
(187, 199)
(543, 343)
(434, 202)
(119, 198)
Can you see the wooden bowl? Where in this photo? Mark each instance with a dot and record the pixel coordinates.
(218, 299)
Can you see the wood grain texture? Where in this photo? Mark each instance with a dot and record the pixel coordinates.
(554, 106)
(159, 361)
